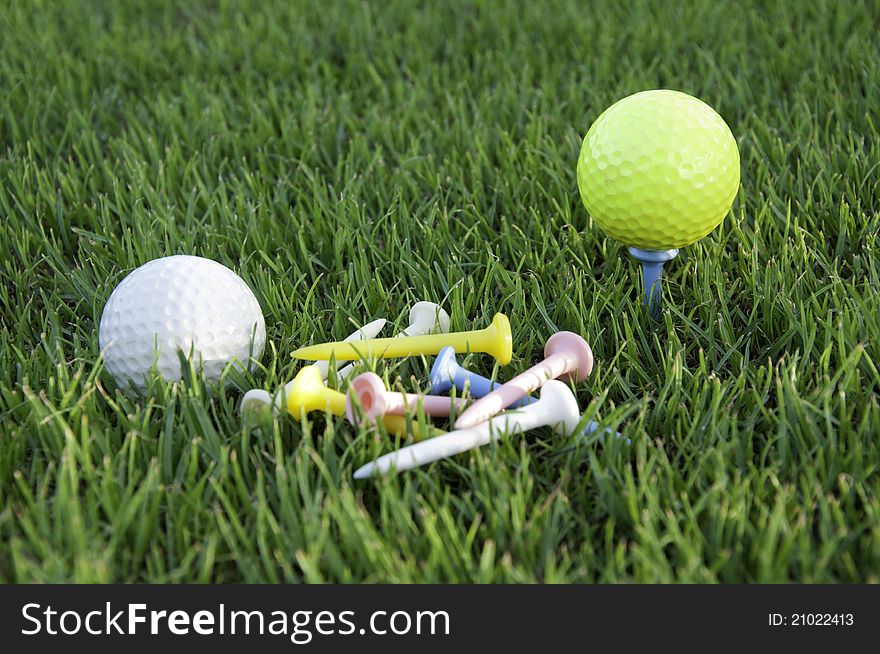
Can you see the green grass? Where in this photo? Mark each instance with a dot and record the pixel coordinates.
(352, 159)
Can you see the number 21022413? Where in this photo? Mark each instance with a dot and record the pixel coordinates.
(810, 620)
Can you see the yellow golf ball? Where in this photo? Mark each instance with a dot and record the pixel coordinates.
(658, 170)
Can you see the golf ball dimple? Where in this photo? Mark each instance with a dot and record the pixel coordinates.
(658, 170)
(179, 303)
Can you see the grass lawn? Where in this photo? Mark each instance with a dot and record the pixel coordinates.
(348, 160)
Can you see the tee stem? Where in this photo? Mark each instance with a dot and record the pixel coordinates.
(652, 272)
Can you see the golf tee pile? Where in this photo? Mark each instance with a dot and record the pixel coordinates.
(485, 409)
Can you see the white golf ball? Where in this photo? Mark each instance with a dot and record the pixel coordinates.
(179, 303)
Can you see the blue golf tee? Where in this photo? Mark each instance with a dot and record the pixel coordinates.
(652, 272)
